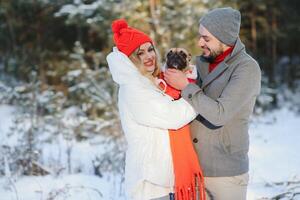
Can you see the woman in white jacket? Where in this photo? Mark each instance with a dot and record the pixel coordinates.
(146, 114)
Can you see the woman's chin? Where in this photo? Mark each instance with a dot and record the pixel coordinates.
(150, 69)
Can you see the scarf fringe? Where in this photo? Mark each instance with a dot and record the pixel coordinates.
(189, 192)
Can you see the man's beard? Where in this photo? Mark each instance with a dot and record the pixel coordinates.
(212, 56)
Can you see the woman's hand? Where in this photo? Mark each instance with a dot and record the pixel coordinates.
(176, 78)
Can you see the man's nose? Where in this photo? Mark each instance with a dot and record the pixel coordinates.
(201, 42)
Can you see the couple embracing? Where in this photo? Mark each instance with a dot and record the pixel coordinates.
(195, 145)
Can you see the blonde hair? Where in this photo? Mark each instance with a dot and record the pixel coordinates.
(138, 63)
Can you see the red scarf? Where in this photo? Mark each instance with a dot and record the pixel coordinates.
(189, 180)
(169, 90)
(219, 59)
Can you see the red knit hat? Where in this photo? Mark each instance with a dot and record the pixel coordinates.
(126, 38)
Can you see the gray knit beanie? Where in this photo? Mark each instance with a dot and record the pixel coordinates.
(223, 23)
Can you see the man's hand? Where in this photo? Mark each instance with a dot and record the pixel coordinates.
(176, 78)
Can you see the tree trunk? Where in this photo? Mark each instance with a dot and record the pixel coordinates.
(11, 31)
(274, 38)
(154, 18)
(253, 32)
(153, 4)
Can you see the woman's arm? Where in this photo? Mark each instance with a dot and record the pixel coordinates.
(152, 108)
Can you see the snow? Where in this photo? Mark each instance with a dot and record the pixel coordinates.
(71, 187)
(6, 119)
(274, 160)
(81, 183)
(79, 8)
(274, 153)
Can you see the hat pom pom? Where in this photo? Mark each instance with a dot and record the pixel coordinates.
(119, 24)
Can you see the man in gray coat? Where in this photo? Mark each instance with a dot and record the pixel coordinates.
(224, 97)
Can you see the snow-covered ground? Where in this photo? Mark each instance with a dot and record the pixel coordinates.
(274, 154)
(70, 187)
(274, 166)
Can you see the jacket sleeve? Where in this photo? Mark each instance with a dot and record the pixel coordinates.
(154, 109)
(243, 86)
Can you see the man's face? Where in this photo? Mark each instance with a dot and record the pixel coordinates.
(211, 46)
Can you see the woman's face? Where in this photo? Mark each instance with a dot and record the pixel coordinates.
(147, 55)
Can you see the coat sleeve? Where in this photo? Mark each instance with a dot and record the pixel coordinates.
(154, 109)
(243, 86)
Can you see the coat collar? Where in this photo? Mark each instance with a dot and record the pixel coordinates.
(202, 65)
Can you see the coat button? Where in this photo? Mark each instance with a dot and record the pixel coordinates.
(195, 140)
(190, 96)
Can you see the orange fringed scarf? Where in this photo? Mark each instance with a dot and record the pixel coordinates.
(189, 180)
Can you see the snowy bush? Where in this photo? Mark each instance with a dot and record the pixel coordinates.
(49, 125)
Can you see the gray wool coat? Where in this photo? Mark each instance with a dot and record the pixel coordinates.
(224, 100)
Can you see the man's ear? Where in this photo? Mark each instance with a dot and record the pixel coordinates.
(225, 47)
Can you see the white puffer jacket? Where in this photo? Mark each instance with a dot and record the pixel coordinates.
(146, 115)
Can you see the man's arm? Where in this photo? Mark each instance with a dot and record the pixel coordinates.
(176, 78)
(243, 86)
